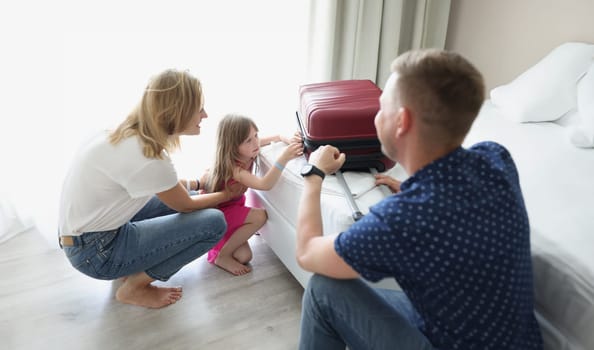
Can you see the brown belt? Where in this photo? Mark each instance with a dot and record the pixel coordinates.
(66, 241)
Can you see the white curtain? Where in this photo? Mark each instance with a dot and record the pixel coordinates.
(70, 69)
(357, 39)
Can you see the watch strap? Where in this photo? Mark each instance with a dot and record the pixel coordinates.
(314, 170)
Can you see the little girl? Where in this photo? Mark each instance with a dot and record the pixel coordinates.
(238, 147)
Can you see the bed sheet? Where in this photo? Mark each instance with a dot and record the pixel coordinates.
(555, 177)
(336, 210)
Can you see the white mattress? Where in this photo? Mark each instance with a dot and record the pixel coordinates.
(556, 180)
(282, 201)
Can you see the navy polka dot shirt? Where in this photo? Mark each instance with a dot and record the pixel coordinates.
(456, 239)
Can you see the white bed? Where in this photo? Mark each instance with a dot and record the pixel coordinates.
(282, 201)
(555, 178)
(556, 181)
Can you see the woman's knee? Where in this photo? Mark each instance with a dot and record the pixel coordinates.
(213, 220)
(218, 221)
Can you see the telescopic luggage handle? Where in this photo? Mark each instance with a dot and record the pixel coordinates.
(349, 196)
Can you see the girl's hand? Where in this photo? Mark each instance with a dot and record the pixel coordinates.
(292, 151)
(391, 182)
(296, 138)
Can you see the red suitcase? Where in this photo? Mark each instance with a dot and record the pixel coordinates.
(341, 113)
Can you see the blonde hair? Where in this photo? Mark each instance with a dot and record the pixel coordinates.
(232, 131)
(444, 89)
(168, 104)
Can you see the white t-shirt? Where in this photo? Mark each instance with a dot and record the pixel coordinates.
(108, 184)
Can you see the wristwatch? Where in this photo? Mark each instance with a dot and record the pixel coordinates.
(310, 169)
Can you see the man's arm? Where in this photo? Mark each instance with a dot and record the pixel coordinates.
(315, 252)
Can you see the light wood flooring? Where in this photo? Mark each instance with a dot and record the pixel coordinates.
(47, 304)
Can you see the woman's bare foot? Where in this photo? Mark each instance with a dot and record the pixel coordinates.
(137, 290)
(231, 265)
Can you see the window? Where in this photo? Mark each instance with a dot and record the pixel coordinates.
(84, 67)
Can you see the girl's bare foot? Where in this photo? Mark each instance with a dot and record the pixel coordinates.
(138, 290)
(231, 265)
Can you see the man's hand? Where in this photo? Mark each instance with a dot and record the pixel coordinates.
(328, 158)
(391, 182)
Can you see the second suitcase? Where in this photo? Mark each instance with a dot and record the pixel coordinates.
(341, 113)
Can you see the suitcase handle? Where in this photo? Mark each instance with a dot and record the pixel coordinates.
(364, 162)
(301, 128)
(349, 196)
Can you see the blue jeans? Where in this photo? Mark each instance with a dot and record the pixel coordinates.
(157, 240)
(340, 313)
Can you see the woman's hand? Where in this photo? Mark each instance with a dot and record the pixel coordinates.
(234, 190)
(204, 179)
(391, 182)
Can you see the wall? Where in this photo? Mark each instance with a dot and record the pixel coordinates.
(505, 37)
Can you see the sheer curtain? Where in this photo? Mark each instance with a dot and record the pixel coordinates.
(73, 69)
(357, 39)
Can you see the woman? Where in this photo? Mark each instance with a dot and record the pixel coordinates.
(123, 212)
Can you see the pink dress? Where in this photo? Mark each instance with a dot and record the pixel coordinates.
(235, 213)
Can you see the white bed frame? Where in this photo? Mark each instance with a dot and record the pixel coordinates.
(281, 204)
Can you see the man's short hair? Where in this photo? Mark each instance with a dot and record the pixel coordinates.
(444, 90)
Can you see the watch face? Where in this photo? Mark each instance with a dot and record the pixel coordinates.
(306, 169)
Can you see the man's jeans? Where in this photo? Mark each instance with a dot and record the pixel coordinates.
(158, 241)
(339, 313)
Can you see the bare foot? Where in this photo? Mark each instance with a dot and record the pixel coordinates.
(148, 296)
(231, 265)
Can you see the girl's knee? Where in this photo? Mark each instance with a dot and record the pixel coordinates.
(259, 216)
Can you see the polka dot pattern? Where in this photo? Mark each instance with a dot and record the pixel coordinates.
(456, 239)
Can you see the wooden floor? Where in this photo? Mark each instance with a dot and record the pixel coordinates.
(46, 304)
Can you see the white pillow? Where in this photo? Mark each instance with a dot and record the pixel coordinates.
(582, 134)
(546, 90)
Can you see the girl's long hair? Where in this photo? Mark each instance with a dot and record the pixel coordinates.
(232, 130)
(168, 104)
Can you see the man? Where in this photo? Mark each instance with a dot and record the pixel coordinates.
(455, 236)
